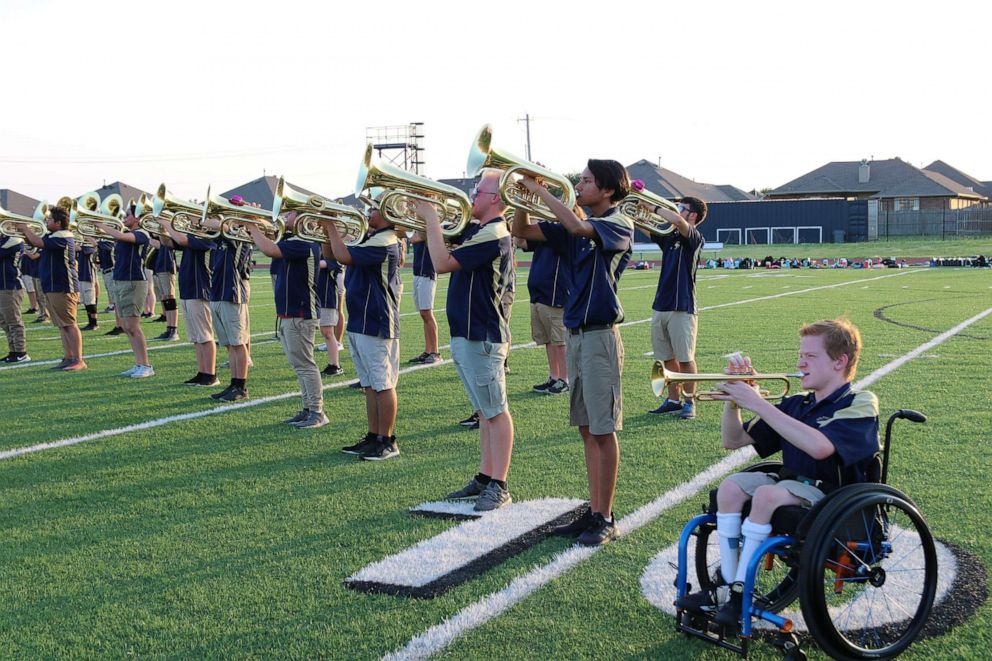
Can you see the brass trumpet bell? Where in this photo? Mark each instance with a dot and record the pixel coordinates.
(402, 188)
(311, 209)
(481, 155)
(234, 218)
(639, 207)
(661, 378)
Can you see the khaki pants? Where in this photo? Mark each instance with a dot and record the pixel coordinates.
(297, 342)
(595, 364)
(42, 299)
(10, 318)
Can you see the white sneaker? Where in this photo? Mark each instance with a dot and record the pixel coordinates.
(142, 371)
(321, 347)
(130, 371)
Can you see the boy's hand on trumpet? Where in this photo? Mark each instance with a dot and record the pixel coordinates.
(744, 394)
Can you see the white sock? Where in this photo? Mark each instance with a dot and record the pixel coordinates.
(728, 527)
(754, 535)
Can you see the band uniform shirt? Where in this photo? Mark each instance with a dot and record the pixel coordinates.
(84, 263)
(373, 285)
(105, 254)
(327, 284)
(847, 418)
(296, 279)
(29, 267)
(230, 263)
(473, 307)
(595, 266)
(549, 280)
(677, 280)
(422, 264)
(57, 270)
(11, 253)
(194, 269)
(129, 257)
(165, 260)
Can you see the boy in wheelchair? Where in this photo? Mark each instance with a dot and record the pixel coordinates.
(828, 438)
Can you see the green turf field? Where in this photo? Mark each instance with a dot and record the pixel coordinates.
(178, 528)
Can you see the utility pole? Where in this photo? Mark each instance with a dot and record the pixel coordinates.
(526, 121)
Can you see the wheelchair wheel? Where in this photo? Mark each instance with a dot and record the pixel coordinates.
(869, 574)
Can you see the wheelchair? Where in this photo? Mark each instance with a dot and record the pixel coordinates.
(862, 562)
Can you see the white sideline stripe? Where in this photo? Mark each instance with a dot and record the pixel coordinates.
(439, 636)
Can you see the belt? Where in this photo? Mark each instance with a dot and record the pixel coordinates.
(589, 327)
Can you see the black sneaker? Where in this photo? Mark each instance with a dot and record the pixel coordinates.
(300, 416)
(20, 357)
(577, 527)
(195, 381)
(146, 315)
(234, 395)
(384, 448)
(116, 330)
(109, 308)
(361, 446)
(31, 311)
(419, 359)
(600, 532)
(543, 387)
(729, 615)
(160, 318)
(209, 380)
(705, 601)
(668, 407)
(356, 385)
(89, 327)
(470, 490)
(433, 358)
(332, 370)
(164, 336)
(558, 387)
(218, 395)
(471, 421)
(62, 363)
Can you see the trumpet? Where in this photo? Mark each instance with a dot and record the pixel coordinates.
(10, 221)
(90, 216)
(311, 209)
(234, 218)
(185, 215)
(481, 155)
(661, 378)
(639, 206)
(402, 188)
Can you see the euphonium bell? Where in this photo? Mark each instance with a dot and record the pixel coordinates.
(482, 155)
(402, 188)
(310, 209)
(185, 215)
(233, 219)
(91, 216)
(639, 206)
(661, 378)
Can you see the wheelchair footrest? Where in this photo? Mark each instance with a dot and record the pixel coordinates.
(703, 627)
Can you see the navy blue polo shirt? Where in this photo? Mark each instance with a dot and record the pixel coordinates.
(327, 284)
(105, 254)
(296, 279)
(57, 270)
(373, 285)
(11, 252)
(230, 263)
(128, 257)
(422, 264)
(474, 292)
(85, 263)
(677, 280)
(595, 267)
(549, 279)
(847, 418)
(29, 267)
(194, 269)
(165, 260)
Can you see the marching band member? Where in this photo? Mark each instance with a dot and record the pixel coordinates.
(597, 250)
(60, 283)
(105, 258)
(424, 289)
(372, 297)
(230, 264)
(87, 282)
(11, 297)
(548, 283)
(28, 270)
(34, 260)
(480, 267)
(327, 297)
(164, 284)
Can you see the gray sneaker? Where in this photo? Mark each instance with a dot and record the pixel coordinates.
(492, 498)
(470, 490)
(313, 421)
(299, 417)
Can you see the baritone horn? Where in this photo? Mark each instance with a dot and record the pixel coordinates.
(481, 155)
(311, 209)
(144, 209)
(234, 219)
(402, 188)
(91, 215)
(661, 378)
(184, 214)
(10, 221)
(639, 206)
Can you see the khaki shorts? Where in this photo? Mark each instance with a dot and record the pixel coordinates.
(28, 283)
(130, 297)
(480, 366)
(328, 317)
(423, 292)
(108, 286)
(87, 293)
(673, 335)
(595, 363)
(749, 483)
(62, 308)
(546, 325)
(165, 285)
(230, 323)
(377, 360)
(199, 320)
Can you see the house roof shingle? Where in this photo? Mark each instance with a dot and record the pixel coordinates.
(17, 202)
(966, 180)
(672, 185)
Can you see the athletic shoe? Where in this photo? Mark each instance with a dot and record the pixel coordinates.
(218, 395)
(226, 365)
(356, 385)
(474, 425)
(62, 363)
(142, 372)
(470, 420)
(167, 336)
(88, 327)
(492, 498)
(314, 419)
(17, 358)
(129, 372)
(116, 330)
(195, 381)
(40, 320)
(433, 358)
(688, 410)
(667, 408)
(384, 448)
(419, 359)
(558, 387)
(31, 311)
(600, 532)
(209, 380)
(234, 395)
(470, 490)
(109, 308)
(74, 366)
(299, 417)
(332, 370)
(576, 527)
(729, 614)
(160, 318)
(320, 347)
(146, 315)
(543, 387)
(705, 601)
(361, 446)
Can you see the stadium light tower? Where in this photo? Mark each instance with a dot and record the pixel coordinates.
(402, 146)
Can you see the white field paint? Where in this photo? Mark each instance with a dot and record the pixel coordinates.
(438, 637)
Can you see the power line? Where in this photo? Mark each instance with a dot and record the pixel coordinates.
(157, 159)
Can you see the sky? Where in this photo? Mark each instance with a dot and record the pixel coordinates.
(752, 94)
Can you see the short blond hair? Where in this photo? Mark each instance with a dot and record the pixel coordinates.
(840, 338)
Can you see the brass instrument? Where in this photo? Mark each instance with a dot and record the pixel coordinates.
(234, 218)
(639, 206)
(9, 222)
(90, 216)
(402, 188)
(185, 215)
(310, 209)
(144, 209)
(481, 156)
(661, 378)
